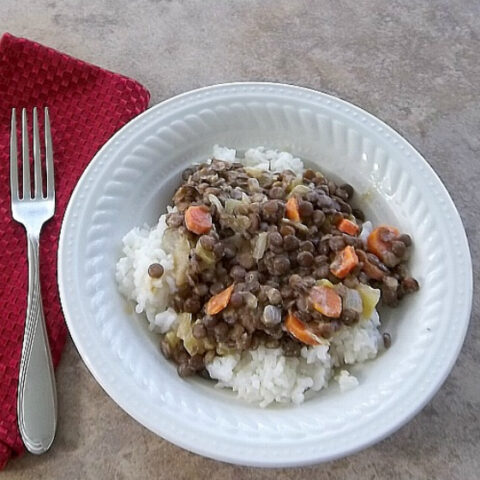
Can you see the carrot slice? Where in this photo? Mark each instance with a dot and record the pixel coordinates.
(198, 219)
(345, 261)
(292, 210)
(380, 240)
(300, 331)
(347, 226)
(326, 301)
(219, 301)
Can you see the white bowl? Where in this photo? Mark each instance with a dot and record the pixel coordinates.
(131, 180)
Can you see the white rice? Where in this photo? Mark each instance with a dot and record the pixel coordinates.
(264, 375)
(346, 381)
(261, 158)
(142, 247)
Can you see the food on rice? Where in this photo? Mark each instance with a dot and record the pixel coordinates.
(262, 276)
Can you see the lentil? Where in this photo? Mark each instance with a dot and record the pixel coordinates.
(155, 270)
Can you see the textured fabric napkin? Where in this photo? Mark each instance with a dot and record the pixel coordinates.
(87, 105)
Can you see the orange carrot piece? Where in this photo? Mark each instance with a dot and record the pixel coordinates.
(347, 226)
(292, 210)
(345, 261)
(326, 301)
(376, 242)
(300, 331)
(219, 301)
(198, 219)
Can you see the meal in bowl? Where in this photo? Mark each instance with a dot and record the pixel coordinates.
(263, 277)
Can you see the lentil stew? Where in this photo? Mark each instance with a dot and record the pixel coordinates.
(272, 258)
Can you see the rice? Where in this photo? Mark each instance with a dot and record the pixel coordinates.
(346, 381)
(263, 375)
(261, 158)
(266, 375)
(141, 248)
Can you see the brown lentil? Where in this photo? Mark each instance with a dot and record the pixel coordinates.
(199, 330)
(200, 289)
(217, 287)
(399, 248)
(155, 270)
(220, 331)
(275, 238)
(309, 174)
(410, 285)
(405, 239)
(324, 201)
(236, 300)
(307, 246)
(305, 209)
(305, 259)
(336, 243)
(192, 305)
(237, 272)
(196, 362)
(349, 317)
(281, 265)
(348, 189)
(209, 321)
(277, 193)
(175, 220)
(286, 230)
(291, 242)
(357, 213)
(184, 370)
(218, 250)
(165, 348)
(246, 260)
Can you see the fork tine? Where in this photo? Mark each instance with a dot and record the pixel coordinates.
(49, 157)
(25, 156)
(37, 162)
(13, 157)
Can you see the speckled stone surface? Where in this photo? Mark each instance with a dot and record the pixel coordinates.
(415, 65)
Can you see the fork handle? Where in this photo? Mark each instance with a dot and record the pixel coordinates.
(37, 396)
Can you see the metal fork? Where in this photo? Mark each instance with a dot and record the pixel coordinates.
(37, 397)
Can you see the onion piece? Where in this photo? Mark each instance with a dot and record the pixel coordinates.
(207, 256)
(353, 300)
(254, 172)
(231, 204)
(298, 180)
(271, 315)
(240, 223)
(215, 201)
(323, 282)
(253, 185)
(298, 225)
(299, 190)
(370, 297)
(192, 345)
(250, 300)
(178, 246)
(260, 246)
(236, 240)
(246, 198)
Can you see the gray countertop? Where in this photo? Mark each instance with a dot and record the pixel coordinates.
(415, 65)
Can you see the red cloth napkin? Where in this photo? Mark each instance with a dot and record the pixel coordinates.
(87, 106)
